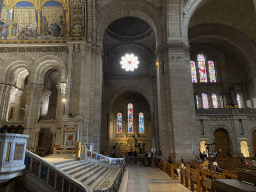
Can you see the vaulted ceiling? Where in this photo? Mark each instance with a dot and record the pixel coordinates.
(238, 14)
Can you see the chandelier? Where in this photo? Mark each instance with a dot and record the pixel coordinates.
(129, 62)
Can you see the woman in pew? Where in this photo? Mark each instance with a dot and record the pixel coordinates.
(182, 166)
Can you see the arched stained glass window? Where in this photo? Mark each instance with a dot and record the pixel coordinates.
(193, 71)
(141, 123)
(130, 118)
(197, 102)
(214, 101)
(205, 101)
(119, 123)
(239, 101)
(212, 72)
(202, 68)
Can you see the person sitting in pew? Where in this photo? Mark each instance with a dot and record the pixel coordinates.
(216, 167)
(182, 166)
(206, 163)
(252, 164)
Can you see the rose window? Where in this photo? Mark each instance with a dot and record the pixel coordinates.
(129, 62)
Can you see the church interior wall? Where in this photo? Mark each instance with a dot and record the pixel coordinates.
(91, 76)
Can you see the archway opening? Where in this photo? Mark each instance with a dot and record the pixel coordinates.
(244, 149)
(222, 142)
(45, 140)
(130, 125)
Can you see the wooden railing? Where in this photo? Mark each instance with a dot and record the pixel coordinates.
(52, 176)
(194, 174)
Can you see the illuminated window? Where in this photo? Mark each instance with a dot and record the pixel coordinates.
(239, 101)
(119, 123)
(205, 101)
(212, 72)
(141, 123)
(193, 71)
(202, 68)
(214, 101)
(130, 118)
(129, 62)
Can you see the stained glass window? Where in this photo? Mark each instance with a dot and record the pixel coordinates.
(130, 118)
(141, 123)
(129, 62)
(193, 71)
(205, 101)
(214, 101)
(212, 72)
(239, 101)
(119, 123)
(202, 68)
(197, 102)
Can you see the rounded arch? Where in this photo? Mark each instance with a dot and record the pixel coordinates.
(220, 126)
(126, 89)
(13, 64)
(44, 64)
(126, 8)
(188, 11)
(228, 36)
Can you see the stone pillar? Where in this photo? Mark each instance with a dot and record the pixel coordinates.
(45, 102)
(61, 103)
(4, 92)
(82, 72)
(69, 76)
(184, 123)
(16, 112)
(166, 141)
(8, 99)
(32, 112)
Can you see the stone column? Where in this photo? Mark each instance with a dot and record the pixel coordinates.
(61, 103)
(45, 102)
(32, 112)
(3, 94)
(184, 123)
(69, 76)
(16, 112)
(82, 74)
(8, 97)
(166, 141)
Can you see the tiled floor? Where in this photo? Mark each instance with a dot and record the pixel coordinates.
(146, 179)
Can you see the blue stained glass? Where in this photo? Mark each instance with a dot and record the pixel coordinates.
(141, 123)
(130, 118)
(119, 123)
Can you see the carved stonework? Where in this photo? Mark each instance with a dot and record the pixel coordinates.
(34, 49)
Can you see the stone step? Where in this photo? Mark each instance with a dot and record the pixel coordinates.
(83, 172)
(74, 166)
(79, 169)
(59, 163)
(89, 174)
(108, 180)
(100, 179)
(96, 176)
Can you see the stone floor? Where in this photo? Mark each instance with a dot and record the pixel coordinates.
(147, 179)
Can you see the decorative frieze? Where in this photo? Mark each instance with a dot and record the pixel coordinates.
(34, 49)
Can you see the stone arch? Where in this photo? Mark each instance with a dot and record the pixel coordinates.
(44, 64)
(219, 126)
(188, 11)
(13, 64)
(229, 35)
(143, 93)
(126, 8)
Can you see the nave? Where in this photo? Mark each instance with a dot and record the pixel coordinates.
(147, 179)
